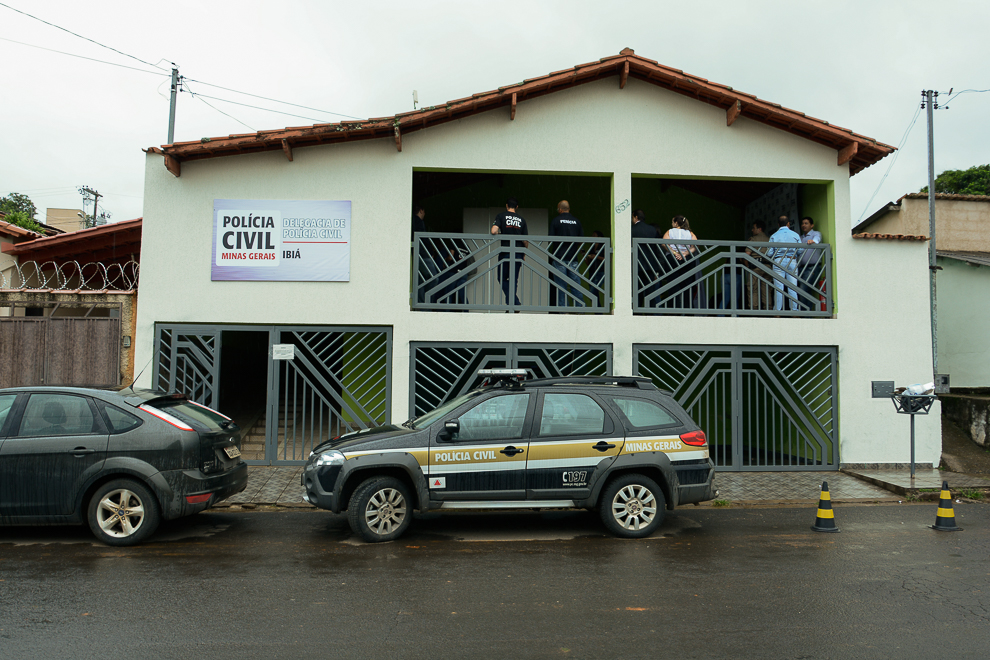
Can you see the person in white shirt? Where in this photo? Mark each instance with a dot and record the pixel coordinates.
(680, 228)
(810, 264)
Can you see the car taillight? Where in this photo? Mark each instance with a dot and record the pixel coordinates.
(198, 499)
(694, 438)
(215, 412)
(165, 417)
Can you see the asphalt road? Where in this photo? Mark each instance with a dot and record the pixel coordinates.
(746, 583)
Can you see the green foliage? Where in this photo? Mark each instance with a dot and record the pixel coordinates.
(17, 202)
(721, 503)
(974, 181)
(971, 494)
(23, 220)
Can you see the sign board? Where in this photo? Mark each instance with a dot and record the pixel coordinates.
(283, 351)
(281, 240)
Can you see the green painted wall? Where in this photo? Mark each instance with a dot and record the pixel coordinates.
(710, 220)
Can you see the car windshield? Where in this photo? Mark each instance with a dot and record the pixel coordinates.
(423, 421)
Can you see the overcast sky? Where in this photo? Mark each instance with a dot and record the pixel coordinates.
(67, 122)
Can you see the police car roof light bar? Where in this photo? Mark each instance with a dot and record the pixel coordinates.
(639, 382)
(510, 377)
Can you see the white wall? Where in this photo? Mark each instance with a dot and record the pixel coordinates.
(963, 320)
(592, 128)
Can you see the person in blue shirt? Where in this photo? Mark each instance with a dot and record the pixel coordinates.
(810, 263)
(785, 263)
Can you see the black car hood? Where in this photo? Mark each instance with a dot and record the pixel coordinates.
(355, 439)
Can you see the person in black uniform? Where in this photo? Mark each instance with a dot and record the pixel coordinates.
(428, 265)
(648, 263)
(511, 223)
(565, 254)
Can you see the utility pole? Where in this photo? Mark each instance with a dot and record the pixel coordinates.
(930, 104)
(171, 105)
(88, 193)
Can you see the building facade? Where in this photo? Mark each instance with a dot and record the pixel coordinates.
(773, 388)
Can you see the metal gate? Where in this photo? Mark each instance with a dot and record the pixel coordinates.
(47, 350)
(189, 362)
(762, 408)
(441, 371)
(338, 381)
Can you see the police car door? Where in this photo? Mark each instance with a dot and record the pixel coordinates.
(572, 436)
(486, 458)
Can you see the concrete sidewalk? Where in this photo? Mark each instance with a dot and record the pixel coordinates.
(279, 486)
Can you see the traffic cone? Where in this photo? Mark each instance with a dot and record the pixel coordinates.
(825, 522)
(945, 519)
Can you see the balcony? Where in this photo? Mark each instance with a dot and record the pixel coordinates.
(731, 278)
(479, 272)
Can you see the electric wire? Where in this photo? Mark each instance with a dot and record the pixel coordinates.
(945, 104)
(81, 37)
(186, 88)
(897, 153)
(256, 107)
(265, 98)
(83, 57)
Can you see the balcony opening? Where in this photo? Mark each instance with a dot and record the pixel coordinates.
(723, 272)
(459, 266)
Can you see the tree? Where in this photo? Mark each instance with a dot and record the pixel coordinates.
(23, 220)
(17, 202)
(974, 181)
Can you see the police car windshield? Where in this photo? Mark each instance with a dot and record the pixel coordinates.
(423, 421)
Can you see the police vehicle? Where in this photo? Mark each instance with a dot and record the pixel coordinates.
(614, 443)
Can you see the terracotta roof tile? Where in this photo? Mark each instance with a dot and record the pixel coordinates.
(675, 80)
(13, 230)
(958, 198)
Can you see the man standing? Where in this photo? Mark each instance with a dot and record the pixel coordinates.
(428, 265)
(784, 263)
(810, 264)
(511, 223)
(565, 255)
(756, 285)
(648, 259)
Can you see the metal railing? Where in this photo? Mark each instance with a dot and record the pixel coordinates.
(731, 278)
(522, 273)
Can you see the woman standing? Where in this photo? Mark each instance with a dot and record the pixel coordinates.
(680, 228)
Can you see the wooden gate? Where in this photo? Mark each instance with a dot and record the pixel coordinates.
(45, 350)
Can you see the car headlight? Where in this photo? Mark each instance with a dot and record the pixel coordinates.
(332, 457)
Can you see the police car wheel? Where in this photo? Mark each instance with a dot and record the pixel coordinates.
(380, 509)
(122, 512)
(632, 506)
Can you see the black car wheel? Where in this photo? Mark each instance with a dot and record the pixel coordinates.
(632, 506)
(380, 509)
(123, 512)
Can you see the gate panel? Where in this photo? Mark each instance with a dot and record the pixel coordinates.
(22, 351)
(189, 362)
(98, 339)
(762, 408)
(338, 382)
(443, 371)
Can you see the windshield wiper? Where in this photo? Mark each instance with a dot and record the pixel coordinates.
(408, 423)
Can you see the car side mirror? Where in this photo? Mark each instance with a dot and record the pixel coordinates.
(450, 430)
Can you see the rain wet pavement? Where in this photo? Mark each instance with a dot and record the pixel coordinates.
(739, 582)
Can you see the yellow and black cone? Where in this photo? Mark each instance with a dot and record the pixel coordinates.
(945, 519)
(825, 522)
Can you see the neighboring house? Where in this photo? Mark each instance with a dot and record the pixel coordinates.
(962, 233)
(326, 318)
(11, 235)
(68, 305)
(66, 219)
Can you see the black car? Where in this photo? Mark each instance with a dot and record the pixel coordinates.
(616, 444)
(119, 461)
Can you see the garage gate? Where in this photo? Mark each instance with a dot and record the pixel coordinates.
(442, 371)
(762, 407)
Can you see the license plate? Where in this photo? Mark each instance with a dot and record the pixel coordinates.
(232, 452)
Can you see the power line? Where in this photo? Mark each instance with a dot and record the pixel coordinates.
(304, 107)
(256, 107)
(965, 91)
(81, 37)
(92, 59)
(900, 146)
(197, 96)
